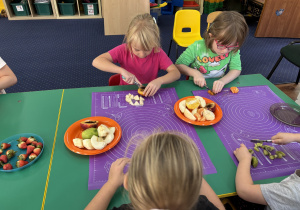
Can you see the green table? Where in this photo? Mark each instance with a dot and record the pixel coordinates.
(68, 181)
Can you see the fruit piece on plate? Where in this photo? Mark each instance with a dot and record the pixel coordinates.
(189, 115)
(211, 107)
(102, 130)
(87, 144)
(201, 100)
(5, 145)
(78, 143)
(10, 153)
(3, 158)
(30, 140)
(22, 156)
(22, 145)
(109, 138)
(97, 142)
(39, 145)
(88, 124)
(37, 151)
(7, 166)
(30, 149)
(22, 139)
(88, 133)
(182, 106)
(32, 156)
(192, 103)
(209, 115)
(112, 130)
(21, 163)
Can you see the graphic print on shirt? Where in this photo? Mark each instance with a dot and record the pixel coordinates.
(210, 66)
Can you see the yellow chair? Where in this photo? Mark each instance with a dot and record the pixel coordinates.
(211, 17)
(186, 28)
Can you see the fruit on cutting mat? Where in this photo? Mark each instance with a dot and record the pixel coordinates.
(254, 162)
(234, 89)
(141, 90)
(97, 142)
(88, 124)
(210, 92)
(211, 107)
(87, 144)
(189, 115)
(88, 133)
(78, 143)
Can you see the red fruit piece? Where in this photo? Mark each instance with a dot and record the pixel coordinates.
(21, 163)
(39, 145)
(34, 143)
(5, 146)
(22, 157)
(88, 124)
(30, 148)
(7, 166)
(10, 153)
(30, 140)
(3, 158)
(22, 145)
(37, 151)
(22, 139)
(32, 156)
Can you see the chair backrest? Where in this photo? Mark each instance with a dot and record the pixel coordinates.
(189, 20)
(114, 80)
(211, 17)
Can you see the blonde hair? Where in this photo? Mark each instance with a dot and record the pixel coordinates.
(228, 27)
(165, 173)
(143, 31)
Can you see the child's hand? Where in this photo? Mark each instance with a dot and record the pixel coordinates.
(152, 87)
(242, 153)
(129, 78)
(199, 79)
(284, 138)
(116, 175)
(218, 86)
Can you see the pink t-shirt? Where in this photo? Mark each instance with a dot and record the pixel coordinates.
(144, 69)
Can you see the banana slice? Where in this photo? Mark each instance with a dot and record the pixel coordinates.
(189, 115)
(78, 143)
(201, 100)
(208, 115)
(109, 138)
(87, 144)
(97, 142)
(182, 106)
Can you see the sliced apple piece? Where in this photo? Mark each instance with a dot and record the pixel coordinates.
(182, 106)
(87, 144)
(189, 115)
(109, 138)
(78, 143)
(103, 130)
(97, 142)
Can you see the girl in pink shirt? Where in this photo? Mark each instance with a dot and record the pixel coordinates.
(140, 57)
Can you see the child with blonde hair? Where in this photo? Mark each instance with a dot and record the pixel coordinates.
(210, 57)
(7, 76)
(165, 172)
(283, 195)
(140, 57)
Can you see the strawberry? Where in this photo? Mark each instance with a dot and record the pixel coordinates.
(21, 163)
(30, 140)
(22, 145)
(34, 143)
(10, 153)
(22, 139)
(39, 145)
(3, 158)
(5, 146)
(22, 157)
(7, 166)
(32, 156)
(37, 151)
(1, 151)
(30, 148)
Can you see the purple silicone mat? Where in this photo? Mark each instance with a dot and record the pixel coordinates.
(157, 114)
(246, 116)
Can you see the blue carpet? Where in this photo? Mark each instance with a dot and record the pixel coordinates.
(57, 54)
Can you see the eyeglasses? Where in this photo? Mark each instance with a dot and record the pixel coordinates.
(229, 48)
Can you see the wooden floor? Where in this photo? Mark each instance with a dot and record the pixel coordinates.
(292, 90)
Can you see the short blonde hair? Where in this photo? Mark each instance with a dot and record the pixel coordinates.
(228, 27)
(165, 173)
(143, 31)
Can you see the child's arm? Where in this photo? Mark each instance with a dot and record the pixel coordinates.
(115, 180)
(219, 84)
(172, 75)
(243, 180)
(7, 77)
(197, 75)
(285, 138)
(104, 62)
(210, 194)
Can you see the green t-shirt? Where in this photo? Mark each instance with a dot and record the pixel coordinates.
(210, 64)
